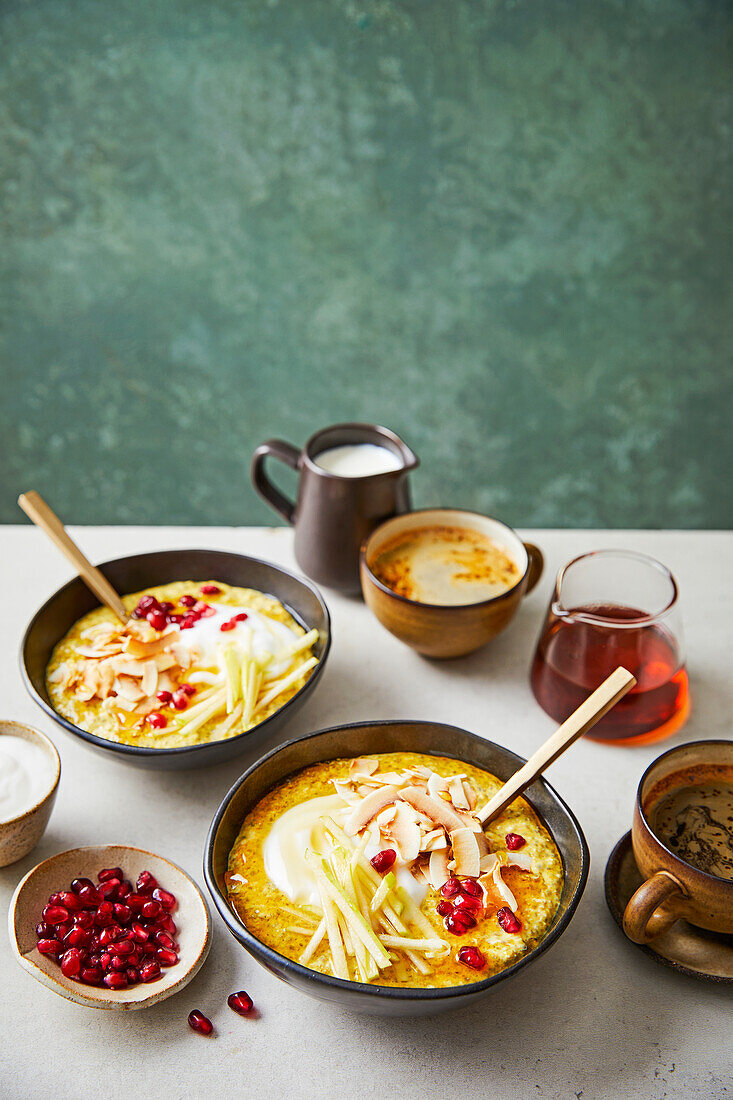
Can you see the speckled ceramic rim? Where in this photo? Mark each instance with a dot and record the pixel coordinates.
(7, 726)
(610, 882)
(179, 750)
(451, 608)
(318, 443)
(382, 992)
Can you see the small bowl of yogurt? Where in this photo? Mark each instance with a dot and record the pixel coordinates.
(30, 769)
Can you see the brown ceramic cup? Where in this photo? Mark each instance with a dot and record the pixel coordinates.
(439, 630)
(331, 514)
(673, 889)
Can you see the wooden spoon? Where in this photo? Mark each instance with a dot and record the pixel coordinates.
(36, 509)
(588, 713)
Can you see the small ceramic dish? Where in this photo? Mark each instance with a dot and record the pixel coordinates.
(20, 834)
(133, 574)
(362, 739)
(191, 915)
(439, 630)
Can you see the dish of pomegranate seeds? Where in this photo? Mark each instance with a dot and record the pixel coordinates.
(377, 870)
(111, 926)
(196, 662)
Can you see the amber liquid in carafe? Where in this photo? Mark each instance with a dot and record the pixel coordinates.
(574, 656)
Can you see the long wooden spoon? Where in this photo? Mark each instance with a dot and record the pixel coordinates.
(36, 509)
(581, 720)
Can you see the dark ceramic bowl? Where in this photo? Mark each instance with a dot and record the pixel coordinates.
(359, 739)
(140, 571)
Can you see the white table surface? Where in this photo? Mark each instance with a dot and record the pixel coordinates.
(593, 1018)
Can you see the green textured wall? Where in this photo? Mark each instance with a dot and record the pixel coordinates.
(501, 228)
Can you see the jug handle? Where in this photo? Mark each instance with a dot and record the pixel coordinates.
(288, 454)
(536, 565)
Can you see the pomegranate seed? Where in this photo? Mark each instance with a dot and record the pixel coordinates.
(459, 921)
(164, 696)
(166, 957)
(123, 947)
(124, 889)
(201, 607)
(148, 948)
(187, 689)
(111, 872)
(514, 841)
(139, 934)
(108, 890)
(118, 962)
(115, 980)
(146, 883)
(122, 913)
(241, 617)
(465, 901)
(188, 601)
(157, 721)
(200, 1023)
(71, 963)
(508, 921)
(149, 971)
(471, 886)
(210, 589)
(165, 898)
(79, 883)
(167, 924)
(166, 606)
(180, 700)
(471, 956)
(105, 960)
(240, 1003)
(134, 959)
(150, 910)
(49, 947)
(133, 975)
(77, 937)
(55, 914)
(383, 860)
(164, 940)
(188, 622)
(147, 603)
(45, 931)
(62, 930)
(89, 895)
(109, 934)
(92, 975)
(229, 625)
(105, 914)
(443, 908)
(55, 899)
(450, 888)
(85, 919)
(156, 619)
(136, 901)
(71, 902)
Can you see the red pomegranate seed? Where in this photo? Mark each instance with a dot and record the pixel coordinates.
(156, 619)
(157, 721)
(134, 959)
(123, 947)
(55, 914)
(63, 929)
(108, 890)
(164, 696)
(383, 860)
(241, 617)
(210, 589)
(148, 948)
(115, 980)
(166, 957)
(459, 921)
(188, 601)
(118, 962)
(240, 1002)
(109, 934)
(111, 872)
(508, 920)
(71, 963)
(514, 841)
(79, 883)
(167, 924)
(466, 901)
(229, 625)
(187, 689)
(149, 971)
(471, 956)
(180, 700)
(89, 895)
(164, 940)
(136, 901)
(200, 1023)
(91, 975)
(85, 919)
(124, 889)
(105, 960)
(139, 934)
(443, 908)
(49, 947)
(122, 913)
(450, 888)
(165, 898)
(471, 886)
(77, 937)
(146, 883)
(166, 606)
(45, 931)
(133, 975)
(188, 622)
(71, 902)
(150, 910)
(147, 603)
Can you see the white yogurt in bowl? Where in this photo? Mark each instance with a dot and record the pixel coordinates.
(27, 774)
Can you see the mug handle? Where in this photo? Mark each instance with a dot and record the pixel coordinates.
(288, 454)
(642, 921)
(536, 565)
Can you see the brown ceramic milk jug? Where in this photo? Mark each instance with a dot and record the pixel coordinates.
(351, 478)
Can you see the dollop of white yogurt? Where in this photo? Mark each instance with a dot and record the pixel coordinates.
(26, 774)
(262, 636)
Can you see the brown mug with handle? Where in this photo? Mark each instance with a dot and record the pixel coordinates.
(333, 513)
(677, 842)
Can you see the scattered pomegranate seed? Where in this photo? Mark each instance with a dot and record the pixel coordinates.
(508, 920)
(71, 963)
(45, 931)
(514, 841)
(166, 957)
(187, 601)
(471, 886)
(200, 1023)
(55, 914)
(459, 923)
(49, 947)
(115, 980)
(241, 617)
(471, 956)
(383, 860)
(77, 937)
(468, 902)
(108, 890)
(85, 919)
(156, 720)
(164, 696)
(450, 888)
(122, 913)
(188, 622)
(240, 1003)
(89, 895)
(187, 689)
(164, 898)
(71, 902)
(139, 934)
(166, 606)
(229, 625)
(110, 872)
(149, 971)
(180, 700)
(156, 619)
(91, 975)
(146, 883)
(80, 883)
(210, 589)
(443, 908)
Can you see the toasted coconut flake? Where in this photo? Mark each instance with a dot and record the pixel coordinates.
(522, 860)
(438, 868)
(466, 853)
(345, 791)
(457, 793)
(420, 873)
(386, 816)
(470, 793)
(433, 841)
(469, 821)
(368, 808)
(439, 812)
(362, 766)
(487, 863)
(150, 678)
(405, 832)
(503, 889)
(389, 778)
(128, 688)
(437, 785)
